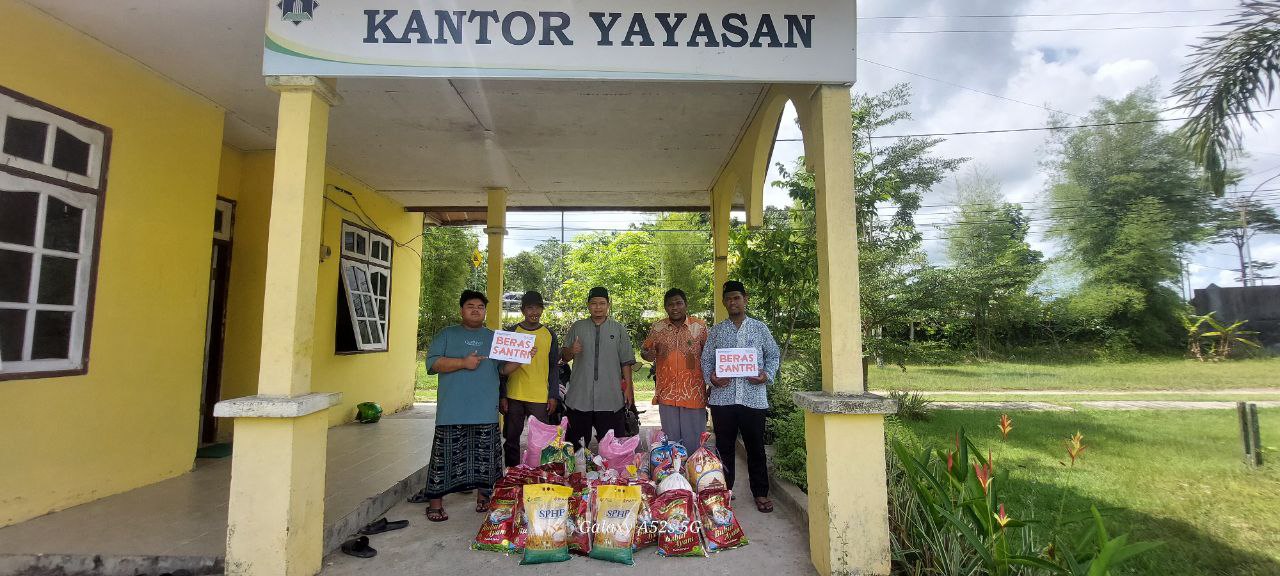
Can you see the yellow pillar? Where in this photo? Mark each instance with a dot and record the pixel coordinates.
(829, 150)
(496, 229)
(844, 426)
(721, 200)
(275, 515)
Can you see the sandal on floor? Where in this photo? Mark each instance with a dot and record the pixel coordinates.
(382, 525)
(358, 547)
(765, 506)
(482, 505)
(419, 497)
(436, 514)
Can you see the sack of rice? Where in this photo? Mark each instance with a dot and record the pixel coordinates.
(704, 469)
(719, 524)
(615, 523)
(547, 508)
(498, 531)
(679, 532)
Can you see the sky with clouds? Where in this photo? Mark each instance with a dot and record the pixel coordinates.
(1028, 69)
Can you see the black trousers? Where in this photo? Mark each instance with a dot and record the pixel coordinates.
(729, 421)
(581, 422)
(513, 423)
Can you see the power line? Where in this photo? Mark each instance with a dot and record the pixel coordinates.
(1036, 129)
(1056, 15)
(1011, 30)
(949, 83)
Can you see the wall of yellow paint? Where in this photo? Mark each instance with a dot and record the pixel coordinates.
(383, 377)
(133, 419)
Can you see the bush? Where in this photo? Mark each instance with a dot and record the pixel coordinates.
(785, 426)
(946, 517)
(911, 405)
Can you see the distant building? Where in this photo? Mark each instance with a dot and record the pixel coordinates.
(1260, 305)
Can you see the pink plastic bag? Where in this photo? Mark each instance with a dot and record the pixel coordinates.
(618, 453)
(540, 436)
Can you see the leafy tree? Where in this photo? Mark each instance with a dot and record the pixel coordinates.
(1127, 201)
(1231, 75)
(523, 272)
(895, 279)
(779, 263)
(1235, 222)
(552, 252)
(992, 264)
(684, 258)
(446, 272)
(623, 262)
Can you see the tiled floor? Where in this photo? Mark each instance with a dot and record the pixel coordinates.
(187, 515)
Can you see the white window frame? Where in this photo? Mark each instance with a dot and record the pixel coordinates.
(228, 211)
(370, 262)
(81, 191)
(12, 107)
(84, 268)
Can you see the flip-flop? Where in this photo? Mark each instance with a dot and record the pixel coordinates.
(482, 506)
(358, 547)
(764, 506)
(436, 514)
(382, 525)
(419, 497)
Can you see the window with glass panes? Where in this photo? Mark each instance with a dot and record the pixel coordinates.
(51, 167)
(366, 285)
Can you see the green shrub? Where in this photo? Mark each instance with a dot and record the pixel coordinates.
(911, 405)
(946, 517)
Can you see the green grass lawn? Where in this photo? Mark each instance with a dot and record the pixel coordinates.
(1174, 476)
(1074, 400)
(1173, 374)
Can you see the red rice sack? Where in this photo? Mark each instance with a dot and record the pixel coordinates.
(522, 530)
(581, 514)
(498, 532)
(646, 527)
(704, 469)
(720, 525)
(678, 531)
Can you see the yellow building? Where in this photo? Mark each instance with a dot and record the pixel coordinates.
(105, 313)
(182, 238)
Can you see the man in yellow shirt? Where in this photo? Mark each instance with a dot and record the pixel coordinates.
(534, 388)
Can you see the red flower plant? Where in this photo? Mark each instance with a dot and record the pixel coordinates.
(1006, 425)
(985, 472)
(1075, 446)
(951, 455)
(1002, 518)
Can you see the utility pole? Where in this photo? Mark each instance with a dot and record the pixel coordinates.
(1246, 257)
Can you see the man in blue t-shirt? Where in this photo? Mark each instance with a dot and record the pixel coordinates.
(466, 453)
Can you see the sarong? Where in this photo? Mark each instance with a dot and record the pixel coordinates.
(464, 457)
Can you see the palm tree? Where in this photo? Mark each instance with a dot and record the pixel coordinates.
(1230, 76)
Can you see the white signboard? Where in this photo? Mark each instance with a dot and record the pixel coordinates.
(737, 362)
(728, 40)
(512, 347)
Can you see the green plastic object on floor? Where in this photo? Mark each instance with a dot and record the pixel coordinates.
(368, 412)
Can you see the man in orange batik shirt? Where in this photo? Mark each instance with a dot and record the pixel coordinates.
(674, 345)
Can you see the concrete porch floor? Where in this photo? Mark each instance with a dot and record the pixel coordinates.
(779, 546)
(182, 522)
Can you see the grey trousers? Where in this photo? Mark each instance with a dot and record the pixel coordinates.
(683, 425)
